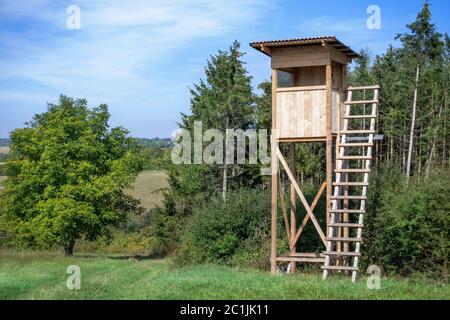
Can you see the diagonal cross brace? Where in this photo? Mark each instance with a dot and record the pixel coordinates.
(306, 218)
(300, 194)
(283, 208)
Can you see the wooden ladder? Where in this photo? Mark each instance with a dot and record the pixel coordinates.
(341, 245)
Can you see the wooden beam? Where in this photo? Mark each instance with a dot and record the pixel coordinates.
(293, 205)
(283, 208)
(273, 247)
(336, 55)
(304, 88)
(329, 143)
(302, 139)
(301, 259)
(300, 194)
(266, 50)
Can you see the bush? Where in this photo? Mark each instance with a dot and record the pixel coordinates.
(153, 240)
(3, 170)
(407, 225)
(226, 231)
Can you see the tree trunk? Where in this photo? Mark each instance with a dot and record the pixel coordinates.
(433, 146)
(68, 248)
(411, 131)
(224, 182)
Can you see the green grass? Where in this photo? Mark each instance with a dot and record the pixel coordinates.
(146, 188)
(37, 275)
(2, 178)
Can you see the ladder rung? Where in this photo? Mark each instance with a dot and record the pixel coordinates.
(353, 158)
(362, 116)
(360, 102)
(356, 144)
(340, 253)
(348, 198)
(357, 132)
(352, 170)
(347, 211)
(346, 225)
(350, 184)
(340, 268)
(363, 88)
(344, 239)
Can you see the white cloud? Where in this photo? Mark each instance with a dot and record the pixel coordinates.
(120, 52)
(351, 31)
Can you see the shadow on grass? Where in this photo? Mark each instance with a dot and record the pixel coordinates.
(136, 257)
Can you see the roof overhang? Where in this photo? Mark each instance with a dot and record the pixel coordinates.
(266, 46)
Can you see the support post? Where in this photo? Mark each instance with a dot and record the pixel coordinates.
(293, 208)
(329, 142)
(274, 147)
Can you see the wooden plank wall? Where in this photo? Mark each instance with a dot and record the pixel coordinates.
(299, 56)
(301, 113)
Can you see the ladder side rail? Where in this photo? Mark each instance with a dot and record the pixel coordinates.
(334, 202)
(364, 188)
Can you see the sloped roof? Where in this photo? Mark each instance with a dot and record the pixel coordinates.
(331, 40)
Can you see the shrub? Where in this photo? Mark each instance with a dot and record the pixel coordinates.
(154, 240)
(221, 229)
(408, 224)
(3, 169)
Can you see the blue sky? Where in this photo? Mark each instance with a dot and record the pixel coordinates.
(140, 57)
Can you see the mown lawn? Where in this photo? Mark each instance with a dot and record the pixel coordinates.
(38, 275)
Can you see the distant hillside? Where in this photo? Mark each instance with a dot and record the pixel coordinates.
(155, 142)
(4, 142)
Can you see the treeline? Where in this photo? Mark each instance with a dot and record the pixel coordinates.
(154, 142)
(4, 142)
(414, 112)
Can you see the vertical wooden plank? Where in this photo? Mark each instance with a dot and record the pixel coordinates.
(273, 254)
(301, 113)
(307, 103)
(293, 206)
(292, 115)
(316, 113)
(329, 142)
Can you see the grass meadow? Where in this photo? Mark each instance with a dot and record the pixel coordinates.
(42, 275)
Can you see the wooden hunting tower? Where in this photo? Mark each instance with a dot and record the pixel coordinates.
(309, 88)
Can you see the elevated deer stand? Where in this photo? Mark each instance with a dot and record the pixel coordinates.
(309, 82)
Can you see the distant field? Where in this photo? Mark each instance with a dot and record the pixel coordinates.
(41, 275)
(4, 149)
(146, 186)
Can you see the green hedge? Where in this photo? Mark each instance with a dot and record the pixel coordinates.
(407, 224)
(231, 231)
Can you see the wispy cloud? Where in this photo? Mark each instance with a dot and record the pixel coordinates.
(352, 30)
(121, 55)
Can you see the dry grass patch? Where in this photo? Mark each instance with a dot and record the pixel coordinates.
(146, 188)
(4, 149)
